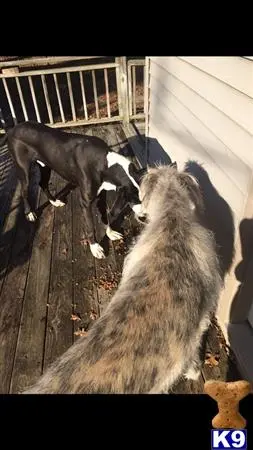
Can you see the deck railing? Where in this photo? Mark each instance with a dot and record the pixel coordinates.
(72, 95)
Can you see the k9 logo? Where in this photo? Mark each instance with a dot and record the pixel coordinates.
(224, 439)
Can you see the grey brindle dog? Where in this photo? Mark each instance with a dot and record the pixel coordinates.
(150, 334)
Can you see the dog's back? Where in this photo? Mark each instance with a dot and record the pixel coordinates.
(38, 138)
(150, 333)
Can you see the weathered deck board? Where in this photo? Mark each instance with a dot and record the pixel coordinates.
(32, 334)
(85, 297)
(9, 208)
(225, 369)
(30, 346)
(13, 286)
(59, 333)
(8, 183)
(12, 298)
(123, 144)
(106, 269)
(7, 233)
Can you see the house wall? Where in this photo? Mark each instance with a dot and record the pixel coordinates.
(201, 108)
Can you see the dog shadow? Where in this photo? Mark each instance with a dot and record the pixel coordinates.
(238, 308)
(218, 216)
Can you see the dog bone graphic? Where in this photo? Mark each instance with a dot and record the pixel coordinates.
(228, 396)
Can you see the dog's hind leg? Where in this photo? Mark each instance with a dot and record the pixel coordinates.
(23, 176)
(194, 368)
(23, 159)
(45, 173)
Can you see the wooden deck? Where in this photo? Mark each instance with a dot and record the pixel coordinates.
(48, 277)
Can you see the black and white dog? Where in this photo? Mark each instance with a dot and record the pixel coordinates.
(83, 161)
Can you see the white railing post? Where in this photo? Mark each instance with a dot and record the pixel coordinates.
(122, 88)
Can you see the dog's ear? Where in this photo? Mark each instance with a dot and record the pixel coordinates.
(194, 191)
(137, 174)
(174, 165)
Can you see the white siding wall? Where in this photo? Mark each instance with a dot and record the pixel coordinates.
(201, 108)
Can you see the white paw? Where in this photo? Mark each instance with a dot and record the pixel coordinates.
(113, 235)
(192, 374)
(97, 251)
(57, 203)
(31, 216)
(137, 209)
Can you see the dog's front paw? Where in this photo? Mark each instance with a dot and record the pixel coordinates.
(31, 216)
(113, 235)
(57, 203)
(97, 251)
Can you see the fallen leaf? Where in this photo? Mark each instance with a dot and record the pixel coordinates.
(84, 242)
(81, 332)
(93, 315)
(211, 360)
(75, 317)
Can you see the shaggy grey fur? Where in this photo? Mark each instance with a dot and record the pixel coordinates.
(150, 333)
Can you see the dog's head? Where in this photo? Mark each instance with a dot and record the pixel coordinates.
(166, 178)
(190, 183)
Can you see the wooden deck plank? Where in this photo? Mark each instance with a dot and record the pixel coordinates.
(107, 273)
(140, 126)
(9, 208)
(85, 298)
(225, 370)
(8, 234)
(30, 347)
(124, 146)
(59, 332)
(12, 294)
(136, 143)
(8, 183)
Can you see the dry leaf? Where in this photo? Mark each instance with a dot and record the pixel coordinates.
(75, 317)
(81, 332)
(93, 315)
(84, 242)
(211, 360)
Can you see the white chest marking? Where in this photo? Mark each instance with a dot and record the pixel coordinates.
(115, 158)
(107, 187)
(41, 163)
